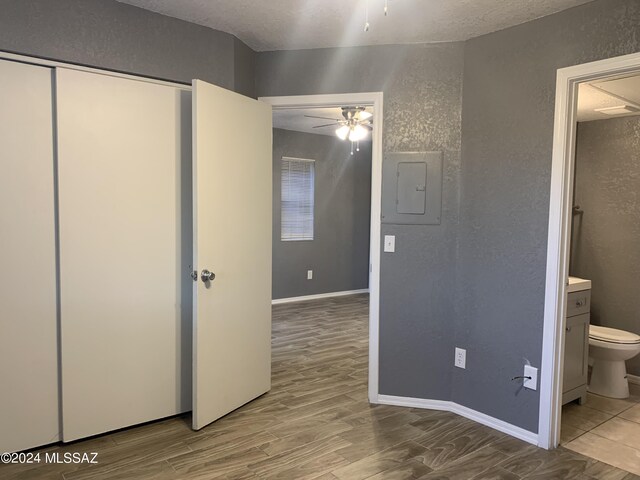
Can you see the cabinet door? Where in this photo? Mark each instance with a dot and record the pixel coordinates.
(576, 352)
(125, 247)
(28, 325)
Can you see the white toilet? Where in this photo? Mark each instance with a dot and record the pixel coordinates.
(608, 350)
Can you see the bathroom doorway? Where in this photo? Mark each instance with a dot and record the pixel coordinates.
(591, 330)
(601, 395)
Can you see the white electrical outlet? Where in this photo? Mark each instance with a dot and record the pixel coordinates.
(461, 358)
(309, 274)
(390, 243)
(530, 383)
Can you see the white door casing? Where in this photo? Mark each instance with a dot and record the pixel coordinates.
(559, 232)
(232, 188)
(375, 99)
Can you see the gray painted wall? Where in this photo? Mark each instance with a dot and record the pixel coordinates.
(244, 69)
(507, 132)
(115, 36)
(422, 105)
(606, 238)
(339, 252)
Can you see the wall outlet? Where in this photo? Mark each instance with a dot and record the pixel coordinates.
(532, 383)
(390, 243)
(461, 358)
(309, 274)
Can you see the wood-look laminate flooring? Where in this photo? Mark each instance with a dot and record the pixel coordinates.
(316, 423)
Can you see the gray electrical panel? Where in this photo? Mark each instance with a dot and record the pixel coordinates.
(412, 188)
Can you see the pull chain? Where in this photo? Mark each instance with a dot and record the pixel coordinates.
(366, 16)
(366, 13)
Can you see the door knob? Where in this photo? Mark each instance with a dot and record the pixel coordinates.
(207, 276)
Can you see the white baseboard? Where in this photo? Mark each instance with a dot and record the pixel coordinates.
(633, 379)
(414, 402)
(463, 411)
(319, 296)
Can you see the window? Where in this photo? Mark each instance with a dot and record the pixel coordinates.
(296, 205)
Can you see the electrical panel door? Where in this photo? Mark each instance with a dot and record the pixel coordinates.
(412, 188)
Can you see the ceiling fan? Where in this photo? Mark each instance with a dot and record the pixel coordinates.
(354, 126)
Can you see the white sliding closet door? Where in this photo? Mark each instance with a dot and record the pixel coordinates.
(232, 195)
(28, 325)
(125, 250)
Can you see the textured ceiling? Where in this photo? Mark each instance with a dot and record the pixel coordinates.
(608, 93)
(294, 119)
(298, 24)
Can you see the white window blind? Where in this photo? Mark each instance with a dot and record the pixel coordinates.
(296, 204)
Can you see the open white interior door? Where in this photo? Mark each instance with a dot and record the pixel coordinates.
(232, 240)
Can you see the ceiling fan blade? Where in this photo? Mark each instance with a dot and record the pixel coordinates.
(327, 125)
(367, 126)
(323, 118)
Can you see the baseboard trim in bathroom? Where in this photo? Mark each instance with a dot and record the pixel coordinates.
(633, 379)
(319, 296)
(463, 411)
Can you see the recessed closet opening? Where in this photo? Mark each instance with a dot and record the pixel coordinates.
(136, 252)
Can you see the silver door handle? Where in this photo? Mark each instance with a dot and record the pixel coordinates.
(207, 276)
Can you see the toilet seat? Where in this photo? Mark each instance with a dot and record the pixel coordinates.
(613, 335)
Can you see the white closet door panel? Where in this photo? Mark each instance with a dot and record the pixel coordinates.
(233, 165)
(124, 156)
(28, 325)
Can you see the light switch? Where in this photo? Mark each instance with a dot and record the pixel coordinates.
(389, 243)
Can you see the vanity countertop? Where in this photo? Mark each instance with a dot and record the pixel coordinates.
(578, 284)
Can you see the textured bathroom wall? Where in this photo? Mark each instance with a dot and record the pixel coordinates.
(115, 36)
(507, 132)
(422, 105)
(339, 251)
(606, 237)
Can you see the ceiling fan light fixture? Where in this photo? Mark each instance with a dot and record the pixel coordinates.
(357, 133)
(364, 115)
(343, 132)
